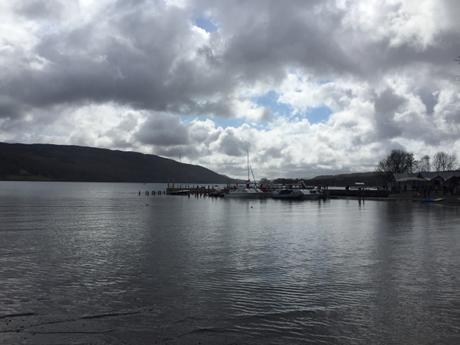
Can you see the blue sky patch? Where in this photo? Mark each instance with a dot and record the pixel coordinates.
(228, 122)
(318, 114)
(206, 23)
(270, 100)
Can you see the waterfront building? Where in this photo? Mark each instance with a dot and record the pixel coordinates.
(445, 182)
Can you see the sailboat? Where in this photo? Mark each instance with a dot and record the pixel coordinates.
(249, 190)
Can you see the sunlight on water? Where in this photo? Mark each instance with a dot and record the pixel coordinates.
(96, 263)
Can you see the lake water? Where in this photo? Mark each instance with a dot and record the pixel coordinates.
(94, 263)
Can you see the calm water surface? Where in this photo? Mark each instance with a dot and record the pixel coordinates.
(89, 263)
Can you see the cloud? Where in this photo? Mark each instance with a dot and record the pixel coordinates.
(143, 75)
(387, 105)
(38, 9)
(163, 130)
(232, 145)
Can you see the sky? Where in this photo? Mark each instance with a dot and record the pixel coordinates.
(309, 87)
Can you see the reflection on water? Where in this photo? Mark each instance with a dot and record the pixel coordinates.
(96, 263)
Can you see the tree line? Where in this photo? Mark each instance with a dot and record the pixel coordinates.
(402, 162)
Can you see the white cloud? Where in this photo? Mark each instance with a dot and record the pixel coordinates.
(126, 74)
(411, 22)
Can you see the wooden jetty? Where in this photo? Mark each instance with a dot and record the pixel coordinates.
(195, 190)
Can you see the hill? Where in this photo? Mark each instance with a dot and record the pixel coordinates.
(46, 162)
(369, 178)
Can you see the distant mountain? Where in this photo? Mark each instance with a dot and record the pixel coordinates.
(369, 178)
(44, 162)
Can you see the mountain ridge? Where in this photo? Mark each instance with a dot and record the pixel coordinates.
(50, 162)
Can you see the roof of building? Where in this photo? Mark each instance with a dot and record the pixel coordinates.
(427, 176)
(445, 175)
(410, 179)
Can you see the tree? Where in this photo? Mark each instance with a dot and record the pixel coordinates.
(397, 162)
(424, 164)
(443, 161)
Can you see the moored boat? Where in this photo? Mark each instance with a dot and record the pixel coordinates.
(247, 193)
(312, 194)
(288, 194)
(427, 200)
(248, 190)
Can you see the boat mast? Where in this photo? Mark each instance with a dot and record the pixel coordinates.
(253, 177)
(247, 159)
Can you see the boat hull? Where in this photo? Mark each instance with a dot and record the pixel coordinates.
(291, 195)
(255, 195)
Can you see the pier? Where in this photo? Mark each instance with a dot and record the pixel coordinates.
(195, 190)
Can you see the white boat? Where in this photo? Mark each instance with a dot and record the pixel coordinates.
(247, 193)
(311, 194)
(248, 190)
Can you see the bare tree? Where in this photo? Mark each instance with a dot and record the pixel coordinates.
(397, 162)
(443, 161)
(424, 164)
